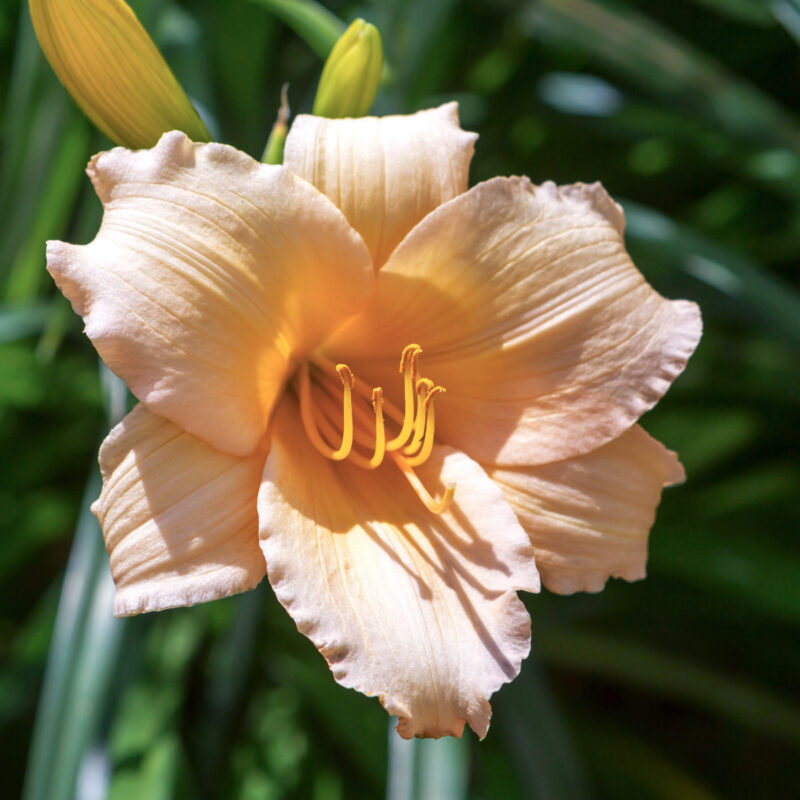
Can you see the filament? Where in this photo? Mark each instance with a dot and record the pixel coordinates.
(430, 424)
(309, 423)
(408, 368)
(423, 387)
(436, 506)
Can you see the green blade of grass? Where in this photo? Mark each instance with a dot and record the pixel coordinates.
(18, 322)
(85, 649)
(426, 769)
(27, 271)
(665, 242)
(312, 22)
(644, 53)
(537, 738)
(626, 661)
(76, 602)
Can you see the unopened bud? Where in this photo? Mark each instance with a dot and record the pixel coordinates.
(351, 74)
(114, 71)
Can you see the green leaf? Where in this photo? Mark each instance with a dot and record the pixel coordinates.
(645, 53)
(427, 769)
(625, 661)
(536, 736)
(754, 12)
(724, 269)
(64, 180)
(313, 23)
(85, 650)
(19, 322)
(83, 654)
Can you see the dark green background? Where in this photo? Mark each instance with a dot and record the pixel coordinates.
(681, 686)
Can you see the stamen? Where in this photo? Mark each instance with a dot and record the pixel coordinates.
(424, 385)
(411, 447)
(329, 429)
(360, 387)
(430, 424)
(328, 405)
(307, 414)
(408, 368)
(435, 506)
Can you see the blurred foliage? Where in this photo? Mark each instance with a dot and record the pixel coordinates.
(681, 686)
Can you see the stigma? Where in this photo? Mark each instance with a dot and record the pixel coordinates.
(345, 419)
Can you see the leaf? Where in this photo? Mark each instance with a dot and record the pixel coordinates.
(537, 738)
(644, 52)
(19, 322)
(754, 12)
(626, 661)
(725, 270)
(313, 23)
(86, 644)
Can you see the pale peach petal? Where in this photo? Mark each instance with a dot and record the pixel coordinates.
(531, 314)
(179, 518)
(385, 173)
(589, 517)
(209, 273)
(418, 609)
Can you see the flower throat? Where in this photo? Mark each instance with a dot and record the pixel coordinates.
(325, 424)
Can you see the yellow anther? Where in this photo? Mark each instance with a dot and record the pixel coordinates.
(430, 424)
(309, 423)
(408, 367)
(432, 393)
(346, 374)
(436, 506)
(380, 431)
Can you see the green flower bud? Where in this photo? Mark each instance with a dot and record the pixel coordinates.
(351, 74)
(114, 72)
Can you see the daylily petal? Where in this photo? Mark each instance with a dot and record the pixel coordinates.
(589, 517)
(209, 274)
(179, 518)
(385, 173)
(531, 314)
(418, 609)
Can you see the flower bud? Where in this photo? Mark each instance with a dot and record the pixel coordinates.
(273, 152)
(351, 74)
(114, 72)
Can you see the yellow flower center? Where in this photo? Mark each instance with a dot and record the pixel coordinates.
(338, 412)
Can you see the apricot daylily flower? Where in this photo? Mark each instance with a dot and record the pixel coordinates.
(393, 395)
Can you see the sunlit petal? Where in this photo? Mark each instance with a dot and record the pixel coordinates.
(528, 309)
(385, 173)
(210, 273)
(417, 608)
(179, 518)
(589, 517)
